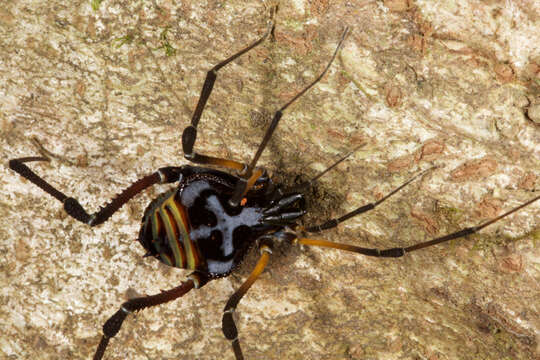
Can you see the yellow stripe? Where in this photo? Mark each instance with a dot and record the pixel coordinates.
(181, 221)
(155, 226)
(191, 249)
(166, 259)
(176, 247)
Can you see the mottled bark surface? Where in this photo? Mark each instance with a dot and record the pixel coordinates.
(110, 89)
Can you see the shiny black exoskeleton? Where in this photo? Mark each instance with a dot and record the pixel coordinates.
(195, 227)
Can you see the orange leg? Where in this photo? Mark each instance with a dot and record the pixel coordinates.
(228, 326)
(398, 252)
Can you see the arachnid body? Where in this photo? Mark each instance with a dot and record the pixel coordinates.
(255, 213)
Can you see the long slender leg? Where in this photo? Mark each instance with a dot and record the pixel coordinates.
(74, 208)
(113, 325)
(304, 186)
(307, 184)
(228, 326)
(334, 222)
(398, 252)
(189, 136)
(244, 185)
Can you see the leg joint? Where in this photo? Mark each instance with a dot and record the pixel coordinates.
(394, 252)
(265, 249)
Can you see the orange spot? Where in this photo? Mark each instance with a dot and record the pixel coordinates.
(243, 202)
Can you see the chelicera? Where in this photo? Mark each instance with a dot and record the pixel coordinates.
(210, 220)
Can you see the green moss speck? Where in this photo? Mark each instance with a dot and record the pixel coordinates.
(451, 214)
(169, 49)
(95, 4)
(127, 39)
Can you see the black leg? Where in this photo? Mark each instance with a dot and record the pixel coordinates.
(189, 136)
(334, 222)
(242, 187)
(228, 326)
(398, 252)
(303, 187)
(278, 215)
(113, 325)
(74, 208)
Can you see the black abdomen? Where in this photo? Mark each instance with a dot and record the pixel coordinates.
(194, 227)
